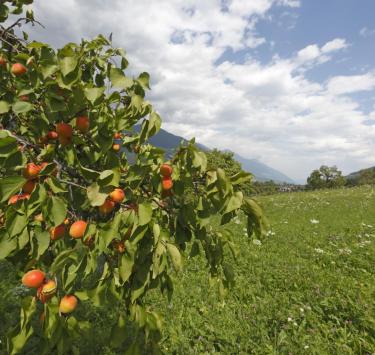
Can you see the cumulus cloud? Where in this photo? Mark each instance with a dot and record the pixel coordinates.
(313, 54)
(351, 83)
(271, 111)
(334, 45)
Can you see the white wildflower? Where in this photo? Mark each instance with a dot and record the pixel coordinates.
(345, 251)
(319, 251)
(257, 242)
(314, 221)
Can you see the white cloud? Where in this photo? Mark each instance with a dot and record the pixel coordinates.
(309, 53)
(351, 83)
(270, 111)
(313, 54)
(336, 44)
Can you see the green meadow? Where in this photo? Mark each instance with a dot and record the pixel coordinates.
(308, 287)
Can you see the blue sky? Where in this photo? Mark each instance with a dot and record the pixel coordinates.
(289, 82)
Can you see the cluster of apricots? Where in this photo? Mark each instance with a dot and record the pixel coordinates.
(30, 172)
(116, 146)
(166, 173)
(46, 289)
(64, 131)
(76, 230)
(116, 196)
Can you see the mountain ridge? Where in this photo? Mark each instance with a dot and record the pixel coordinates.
(261, 171)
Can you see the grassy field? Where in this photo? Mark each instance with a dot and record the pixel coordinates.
(307, 288)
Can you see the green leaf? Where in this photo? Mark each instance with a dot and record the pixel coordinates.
(156, 259)
(9, 186)
(127, 262)
(23, 239)
(144, 80)
(109, 178)
(136, 102)
(235, 202)
(55, 185)
(223, 182)
(7, 245)
(15, 223)
(43, 239)
(62, 259)
(67, 65)
(93, 94)
(57, 210)
(22, 107)
(240, 177)
(257, 222)
(3, 12)
(95, 196)
(175, 255)
(200, 160)
(144, 213)
(48, 70)
(4, 107)
(118, 334)
(8, 143)
(119, 80)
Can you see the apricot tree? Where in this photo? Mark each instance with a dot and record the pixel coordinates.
(89, 210)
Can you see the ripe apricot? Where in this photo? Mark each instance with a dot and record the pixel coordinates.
(107, 207)
(33, 278)
(117, 135)
(18, 69)
(13, 199)
(166, 170)
(116, 147)
(16, 198)
(3, 61)
(52, 135)
(167, 184)
(64, 130)
(57, 232)
(77, 229)
(68, 304)
(117, 195)
(47, 291)
(31, 171)
(82, 124)
(29, 186)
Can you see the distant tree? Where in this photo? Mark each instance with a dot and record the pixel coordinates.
(265, 187)
(325, 177)
(225, 160)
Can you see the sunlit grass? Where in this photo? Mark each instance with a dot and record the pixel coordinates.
(308, 287)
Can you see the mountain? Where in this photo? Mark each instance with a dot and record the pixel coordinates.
(170, 141)
(262, 172)
(355, 175)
